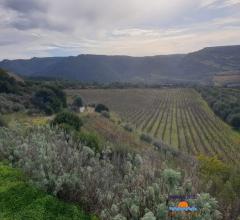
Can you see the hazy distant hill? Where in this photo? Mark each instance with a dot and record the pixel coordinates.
(200, 66)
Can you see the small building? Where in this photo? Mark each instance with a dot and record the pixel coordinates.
(82, 109)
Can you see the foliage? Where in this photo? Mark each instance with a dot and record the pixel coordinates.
(222, 181)
(3, 122)
(89, 139)
(68, 119)
(46, 100)
(112, 184)
(10, 103)
(19, 200)
(210, 166)
(172, 178)
(50, 99)
(234, 120)
(147, 138)
(128, 127)
(7, 84)
(78, 102)
(60, 94)
(225, 102)
(16, 96)
(148, 216)
(100, 107)
(105, 114)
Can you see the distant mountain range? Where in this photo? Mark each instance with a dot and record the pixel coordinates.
(203, 66)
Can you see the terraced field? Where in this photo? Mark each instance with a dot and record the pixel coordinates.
(178, 117)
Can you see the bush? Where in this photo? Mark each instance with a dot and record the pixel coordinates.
(60, 94)
(77, 102)
(234, 120)
(11, 103)
(128, 127)
(89, 139)
(17, 194)
(100, 107)
(3, 122)
(112, 185)
(50, 100)
(105, 114)
(7, 84)
(67, 120)
(46, 100)
(146, 138)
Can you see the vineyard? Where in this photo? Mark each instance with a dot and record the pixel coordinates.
(178, 117)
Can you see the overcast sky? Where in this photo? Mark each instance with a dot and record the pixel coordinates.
(37, 28)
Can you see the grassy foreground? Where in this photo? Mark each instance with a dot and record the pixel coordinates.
(19, 200)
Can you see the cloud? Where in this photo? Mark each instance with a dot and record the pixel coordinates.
(219, 3)
(25, 6)
(132, 27)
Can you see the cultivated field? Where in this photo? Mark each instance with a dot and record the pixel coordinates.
(178, 117)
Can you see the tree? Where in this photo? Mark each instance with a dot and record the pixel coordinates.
(7, 84)
(78, 102)
(100, 107)
(49, 100)
(67, 119)
(60, 94)
(234, 120)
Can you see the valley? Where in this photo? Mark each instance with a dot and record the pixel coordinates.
(178, 117)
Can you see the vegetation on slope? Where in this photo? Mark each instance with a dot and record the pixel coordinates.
(19, 200)
(177, 117)
(30, 96)
(225, 102)
(128, 179)
(222, 181)
(112, 184)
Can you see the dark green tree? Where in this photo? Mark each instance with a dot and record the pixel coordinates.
(67, 120)
(78, 102)
(100, 107)
(234, 120)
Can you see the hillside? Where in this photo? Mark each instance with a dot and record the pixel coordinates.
(200, 66)
(20, 200)
(177, 117)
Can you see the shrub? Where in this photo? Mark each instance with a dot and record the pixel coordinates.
(77, 102)
(234, 120)
(11, 103)
(146, 138)
(46, 100)
(7, 84)
(50, 100)
(128, 127)
(60, 94)
(105, 114)
(89, 139)
(112, 185)
(3, 122)
(67, 120)
(100, 107)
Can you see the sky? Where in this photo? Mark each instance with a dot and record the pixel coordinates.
(43, 28)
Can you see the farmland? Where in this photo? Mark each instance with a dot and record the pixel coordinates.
(178, 117)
